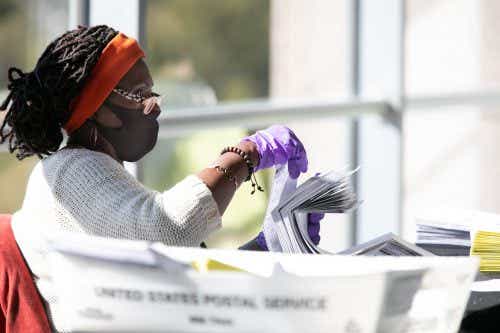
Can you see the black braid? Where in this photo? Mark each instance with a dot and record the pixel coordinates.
(38, 103)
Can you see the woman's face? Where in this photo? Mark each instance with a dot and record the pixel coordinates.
(130, 127)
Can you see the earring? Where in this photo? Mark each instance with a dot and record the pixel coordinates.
(93, 134)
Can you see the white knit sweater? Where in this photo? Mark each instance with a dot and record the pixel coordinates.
(83, 191)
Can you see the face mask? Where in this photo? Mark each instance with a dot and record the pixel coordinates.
(136, 137)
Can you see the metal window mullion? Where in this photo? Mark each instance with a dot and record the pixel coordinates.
(78, 13)
(353, 86)
(379, 138)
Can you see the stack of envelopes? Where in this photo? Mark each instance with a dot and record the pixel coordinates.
(289, 205)
(486, 245)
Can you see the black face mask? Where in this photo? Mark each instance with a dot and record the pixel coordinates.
(136, 137)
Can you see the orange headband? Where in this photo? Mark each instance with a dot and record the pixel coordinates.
(115, 61)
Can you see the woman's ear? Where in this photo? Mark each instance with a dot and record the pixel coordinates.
(105, 117)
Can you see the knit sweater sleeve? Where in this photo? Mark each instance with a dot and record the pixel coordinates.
(104, 199)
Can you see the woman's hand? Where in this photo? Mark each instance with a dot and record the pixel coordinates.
(313, 226)
(278, 145)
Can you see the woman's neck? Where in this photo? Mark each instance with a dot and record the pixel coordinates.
(88, 137)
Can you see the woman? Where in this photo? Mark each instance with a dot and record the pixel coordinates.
(94, 84)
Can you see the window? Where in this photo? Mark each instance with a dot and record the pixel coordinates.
(451, 155)
(26, 27)
(201, 52)
(245, 50)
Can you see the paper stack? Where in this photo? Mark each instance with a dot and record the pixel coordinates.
(387, 245)
(448, 231)
(486, 245)
(452, 235)
(289, 204)
(444, 239)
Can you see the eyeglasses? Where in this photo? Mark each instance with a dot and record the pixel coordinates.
(149, 102)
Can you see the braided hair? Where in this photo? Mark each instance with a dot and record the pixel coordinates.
(39, 102)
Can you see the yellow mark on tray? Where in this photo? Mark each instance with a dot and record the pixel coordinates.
(208, 265)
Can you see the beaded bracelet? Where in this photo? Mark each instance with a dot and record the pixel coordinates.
(227, 173)
(250, 166)
(244, 156)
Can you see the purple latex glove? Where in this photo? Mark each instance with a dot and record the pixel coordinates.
(278, 145)
(313, 226)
